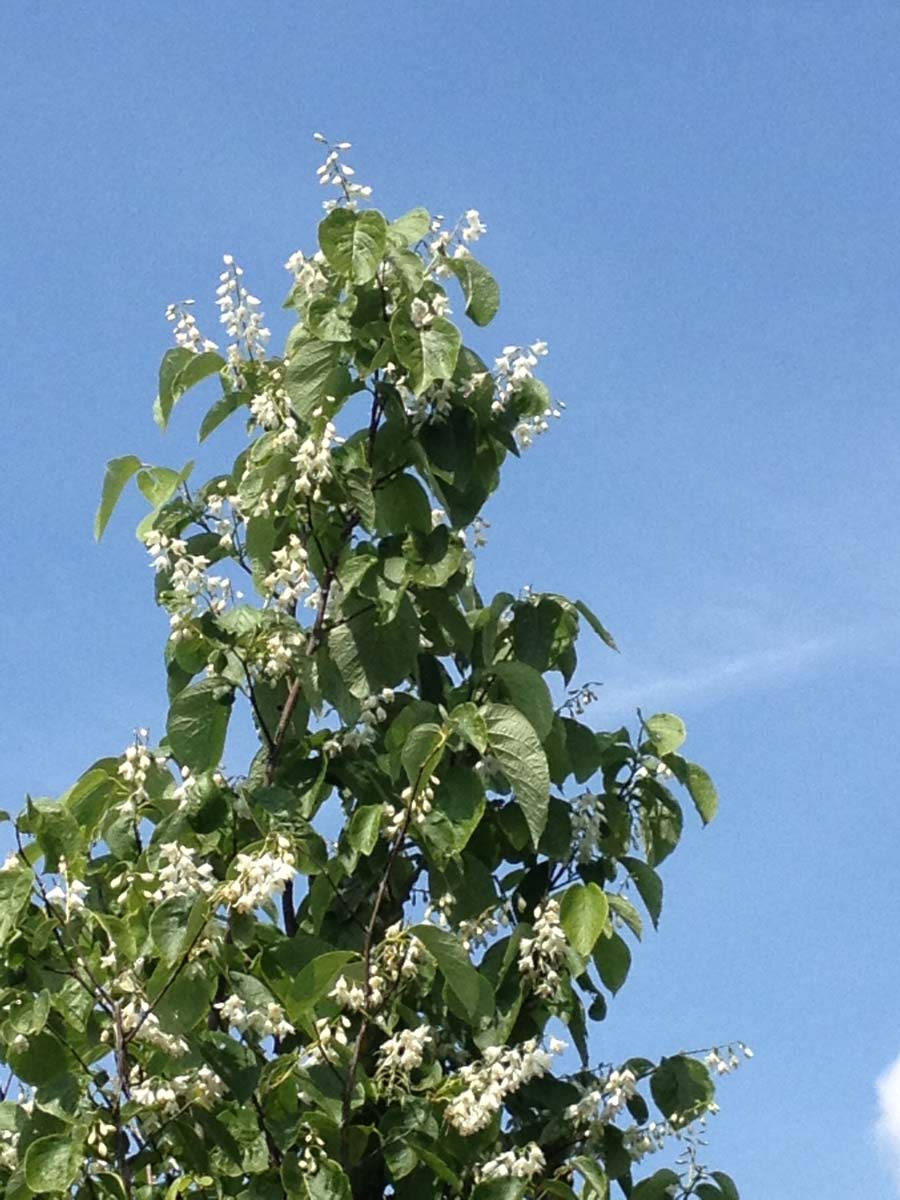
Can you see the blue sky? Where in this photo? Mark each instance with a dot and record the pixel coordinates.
(696, 204)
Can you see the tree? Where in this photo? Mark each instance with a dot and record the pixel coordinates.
(342, 973)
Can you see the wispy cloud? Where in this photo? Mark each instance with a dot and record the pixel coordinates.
(726, 675)
(887, 1127)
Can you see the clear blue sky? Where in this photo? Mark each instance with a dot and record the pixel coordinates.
(696, 204)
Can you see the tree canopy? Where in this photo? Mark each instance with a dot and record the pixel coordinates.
(368, 964)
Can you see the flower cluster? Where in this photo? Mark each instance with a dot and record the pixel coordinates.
(330, 1035)
(289, 578)
(69, 894)
(135, 768)
(313, 459)
(189, 583)
(403, 1052)
(264, 1022)
(179, 875)
(525, 1162)
(422, 312)
(280, 652)
(202, 1086)
(187, 335)
(338, 173)
(143, 1024)
(602, 1104)
(240, 312)
(724, 1061)
(541, 956)
(415, 803)
(485, 1084)
(310, 280)
(260, 876)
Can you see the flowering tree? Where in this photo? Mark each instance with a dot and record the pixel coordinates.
(351, 970)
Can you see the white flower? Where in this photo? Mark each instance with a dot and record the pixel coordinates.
(541, 956)
(260, 876)
(405, 1050)
(487, 1083)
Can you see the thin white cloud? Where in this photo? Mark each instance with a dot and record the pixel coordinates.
(887, 1128)
(741, 672)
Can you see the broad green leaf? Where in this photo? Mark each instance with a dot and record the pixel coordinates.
(219, 412)
(648, 884)
(118, 473)
(594, 1177)
(726, 1184)
(401, 503)
(328, 1181)
(174, 924)
(469, 723)
(310, 374)
(198, 723)
(626, 911)
(612, 958)
(596, 624)
(422, 752)
(364, 827)
(187, 1002)
(479, 288)
(681, 1086)
(15, 891)
(173, 383)
(371, 654)
(353, 242)
(526, 690)
(702, 791)
(411, 227)
(583, 915)
(517, 748)
(52, 1164)
(428, 353)
(317, 978)
(454, 964)
(233, 1061)
(666, 732)
(658, 1187)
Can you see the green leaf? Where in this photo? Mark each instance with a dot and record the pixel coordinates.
(479, 288)
(596, 624)
(666, 732)
(526, 690)
(517, 748)
(317, 978)
(178, 374)
(328, 1181)
(410, 228)
(583, 915)
(52, 1164)
(612, 958)
(429, 353)
(370, 653)
(174, 924)
(726, 1184)
(401, 503)
(648, 884)
(353, 242)
(118, 473)
(681, 1086)
(364, 827)
(187, 1001)
(702, 791)
(198, 723)
(625, 910)
(454, 964)
(594, 1177)
(15, 892)
(468, 721)
(219, 412)
(657, 1187)
(311, 374)
(422, 752)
